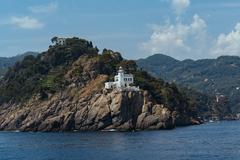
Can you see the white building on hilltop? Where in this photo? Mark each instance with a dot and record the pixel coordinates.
(122, 81)
(60, 41)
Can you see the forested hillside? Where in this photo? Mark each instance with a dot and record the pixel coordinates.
(215, 77)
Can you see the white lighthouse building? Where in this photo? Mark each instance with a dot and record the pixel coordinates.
(122, 82)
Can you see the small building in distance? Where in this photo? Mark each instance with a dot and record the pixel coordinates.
(60, 41)
(122, 82)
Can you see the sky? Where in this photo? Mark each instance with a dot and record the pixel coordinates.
(183, 29)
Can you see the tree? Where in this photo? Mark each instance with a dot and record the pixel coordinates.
(54, 39)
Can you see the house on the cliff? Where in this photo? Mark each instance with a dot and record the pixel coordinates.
(122, 82)
(60, 41)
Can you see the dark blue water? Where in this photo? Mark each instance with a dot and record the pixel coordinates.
(213, 141)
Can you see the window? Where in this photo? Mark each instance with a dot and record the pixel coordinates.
(129, 79)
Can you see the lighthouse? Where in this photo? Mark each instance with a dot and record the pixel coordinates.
(122, 81)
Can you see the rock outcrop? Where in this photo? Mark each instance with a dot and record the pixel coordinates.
(63, 90)
(90, 108)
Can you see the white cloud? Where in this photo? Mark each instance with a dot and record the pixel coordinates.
(26, 22)
(51, 7)
(180, 40)
(227, 44)
(184, 41)
(180, 6)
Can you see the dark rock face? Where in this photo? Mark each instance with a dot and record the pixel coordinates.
(90, 108)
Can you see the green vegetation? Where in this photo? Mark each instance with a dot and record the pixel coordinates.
(54, 70)
(208, 77)
(42, 74)
(165, 93)
(109, 60)
(162, 92)
(5, 63)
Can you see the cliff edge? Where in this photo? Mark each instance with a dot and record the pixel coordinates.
(62, 89)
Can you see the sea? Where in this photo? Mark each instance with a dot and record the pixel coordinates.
(210, 141)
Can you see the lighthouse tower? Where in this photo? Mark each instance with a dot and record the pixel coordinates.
(120, 78)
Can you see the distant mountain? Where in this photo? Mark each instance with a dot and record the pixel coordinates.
(6, 62)
(216, 77)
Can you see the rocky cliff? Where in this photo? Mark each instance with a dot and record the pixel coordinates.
(91, 108)
(63, 90)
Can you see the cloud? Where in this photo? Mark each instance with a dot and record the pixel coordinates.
(51, 7)
(227, 44)
(180, 6)
(26, 22)
(179, 40)
(184, 41)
